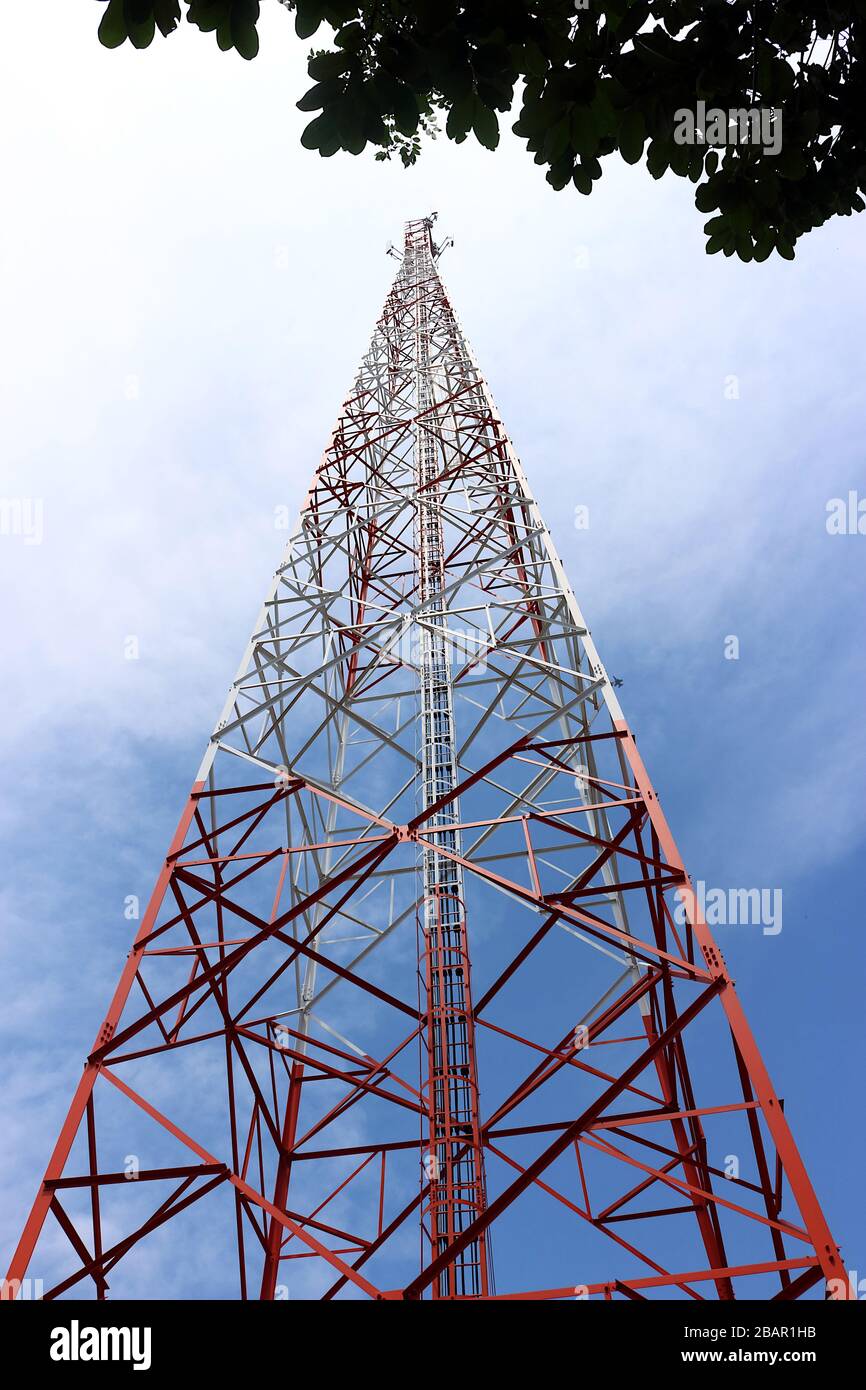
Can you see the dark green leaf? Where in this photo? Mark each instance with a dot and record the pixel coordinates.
(763, 244)
(208, 15)
(141, 31)
(656, 158)
(459, 121)
(556, 141)
(351, 113)
(339, 12)
(323, 128)
(485, 125)
(680, 159)
(706, 197)
(245, 37)
(167, 15)
(325, 65)
(321, 95)
(308, 18)
(404, 106)
(744, 246)
(632, 133)
(112, 26)
(583, 130)
(559, 173)
(351, 38)
(534, 63)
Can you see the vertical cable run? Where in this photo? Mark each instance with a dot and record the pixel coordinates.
(453, 1163)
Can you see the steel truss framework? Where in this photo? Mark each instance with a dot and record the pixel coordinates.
(422, 750)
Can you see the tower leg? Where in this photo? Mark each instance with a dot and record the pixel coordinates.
(84, 1091)
(826, 1248)
(281, 1186)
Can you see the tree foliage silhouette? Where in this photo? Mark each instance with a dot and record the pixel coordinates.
(594, 78)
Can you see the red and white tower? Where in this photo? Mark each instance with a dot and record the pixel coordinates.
(423, 973)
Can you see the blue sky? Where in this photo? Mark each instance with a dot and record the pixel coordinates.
(186, 293)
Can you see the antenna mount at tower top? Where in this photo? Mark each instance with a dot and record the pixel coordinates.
(412, 228)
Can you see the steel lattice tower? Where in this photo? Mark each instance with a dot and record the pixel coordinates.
(422, 753)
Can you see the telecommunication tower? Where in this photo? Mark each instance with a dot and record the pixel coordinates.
(423, 971)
